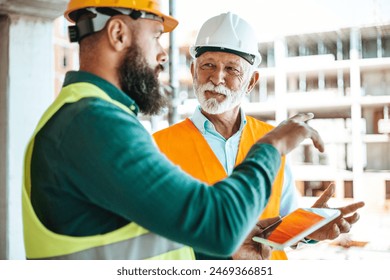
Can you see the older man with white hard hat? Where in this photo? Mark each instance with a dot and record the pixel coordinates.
(218, 136)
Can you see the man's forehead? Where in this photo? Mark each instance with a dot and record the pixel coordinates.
(158, 27)
(152, 25)
(221, 56)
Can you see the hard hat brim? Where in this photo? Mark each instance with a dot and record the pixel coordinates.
(170, 23)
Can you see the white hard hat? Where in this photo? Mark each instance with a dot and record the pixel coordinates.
(228, 33)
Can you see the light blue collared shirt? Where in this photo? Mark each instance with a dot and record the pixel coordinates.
(226, 152)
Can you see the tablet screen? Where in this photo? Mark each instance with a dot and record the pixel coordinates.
(297, 225)
(293, 225)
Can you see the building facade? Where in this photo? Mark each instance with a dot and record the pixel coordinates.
(342, 76)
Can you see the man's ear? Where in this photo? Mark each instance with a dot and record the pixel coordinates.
(119, 34)
(254, 79)
(192, 68)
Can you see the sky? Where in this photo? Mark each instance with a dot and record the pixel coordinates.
(276, 17)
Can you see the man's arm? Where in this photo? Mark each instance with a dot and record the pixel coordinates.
(122, 171)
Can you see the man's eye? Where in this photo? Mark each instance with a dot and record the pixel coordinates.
(233, 71)
(159, 35)
(207, 66)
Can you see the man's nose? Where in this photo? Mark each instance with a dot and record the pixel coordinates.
(218, 77)
(162, 57)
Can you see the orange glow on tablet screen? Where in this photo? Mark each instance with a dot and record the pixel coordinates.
(294, 224)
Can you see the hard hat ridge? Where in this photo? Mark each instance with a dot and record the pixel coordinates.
(229, 33)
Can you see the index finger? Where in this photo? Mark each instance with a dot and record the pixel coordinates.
(351, 208)
(303, 117)
(325, 196)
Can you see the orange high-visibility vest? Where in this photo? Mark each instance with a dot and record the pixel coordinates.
(185, 146)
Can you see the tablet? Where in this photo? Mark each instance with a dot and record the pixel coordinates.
(297, 225)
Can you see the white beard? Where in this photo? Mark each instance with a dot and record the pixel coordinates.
(212, 105)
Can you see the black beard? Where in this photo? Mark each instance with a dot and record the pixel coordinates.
(140, 82)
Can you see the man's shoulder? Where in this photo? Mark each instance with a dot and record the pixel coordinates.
(256, 123)
(182, 125)
(86, 114)
(93, 109)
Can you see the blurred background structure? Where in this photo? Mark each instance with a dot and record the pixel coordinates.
(317, 57)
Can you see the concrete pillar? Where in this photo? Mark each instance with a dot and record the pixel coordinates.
(321, 80)
(26, 90)
(339, 46)
(379, 50)
(280, 80)
(263, 91)
(3, 135)
(340, 82)
(340, 74)
(302, 51)
(270, 56)
(356, 115)
(173, 114)
(321, 48)
(302, 82)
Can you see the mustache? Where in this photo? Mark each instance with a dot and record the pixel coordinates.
(221, 89)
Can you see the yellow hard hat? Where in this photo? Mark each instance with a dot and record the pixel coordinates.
(148, 6)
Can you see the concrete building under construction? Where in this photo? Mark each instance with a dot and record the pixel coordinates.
(343, 77)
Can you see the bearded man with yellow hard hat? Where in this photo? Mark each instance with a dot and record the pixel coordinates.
(95, 185)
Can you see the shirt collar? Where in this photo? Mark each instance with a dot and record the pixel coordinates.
(111, 90)
(203, 124)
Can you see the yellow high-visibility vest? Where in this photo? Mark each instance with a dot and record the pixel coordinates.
(128, 242)
(185, 146)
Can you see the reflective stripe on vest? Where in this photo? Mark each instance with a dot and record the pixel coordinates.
(140, 247)
(129, 242)
(184, 145)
